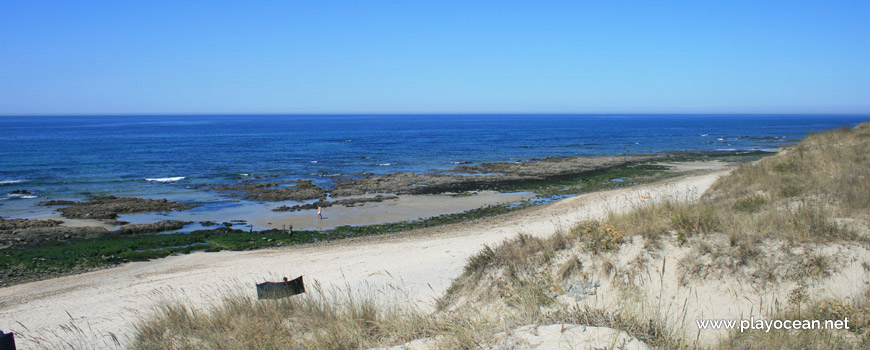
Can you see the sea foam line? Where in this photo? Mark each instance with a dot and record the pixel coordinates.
(10, 182)
(166, 179)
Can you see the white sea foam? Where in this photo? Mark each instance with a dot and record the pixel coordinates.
(166, 179)
(20, 195)
(385, 164)
(243, 174)
(313, 162)
(10, 182)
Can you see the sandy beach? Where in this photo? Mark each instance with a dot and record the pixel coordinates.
(423, 263)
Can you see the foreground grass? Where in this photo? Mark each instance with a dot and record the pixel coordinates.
(334, 319)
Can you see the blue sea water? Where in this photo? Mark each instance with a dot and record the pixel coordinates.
(71, 157)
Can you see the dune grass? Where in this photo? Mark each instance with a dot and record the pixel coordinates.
(319, 319)
(856, 337)
(794, 196)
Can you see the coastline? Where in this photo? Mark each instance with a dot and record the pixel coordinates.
(67, 249)
(440, 253)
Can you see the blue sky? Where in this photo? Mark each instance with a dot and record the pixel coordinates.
(106, 57)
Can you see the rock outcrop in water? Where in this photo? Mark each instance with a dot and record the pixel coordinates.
(28, 231)
(160, 226)
(271, 192)
(489, 176)
(108, 207)
(349, 202)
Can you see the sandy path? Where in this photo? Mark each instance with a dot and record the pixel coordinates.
(422, 263)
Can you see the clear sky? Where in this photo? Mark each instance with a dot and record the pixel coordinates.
(105, 57)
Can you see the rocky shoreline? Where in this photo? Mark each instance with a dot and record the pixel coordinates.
(107, 208)
(270, 192)
(484, 177)
(33, 231)
(464, 178)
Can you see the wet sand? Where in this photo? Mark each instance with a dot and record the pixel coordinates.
(407, 207)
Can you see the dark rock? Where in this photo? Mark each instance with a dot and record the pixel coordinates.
(21, 192)
(116, 222)
(270, 192)
(57, 202)
(108, 207)
(161, 226)
(15, 224)
(349, 202)
(24, 231)
(207, 223)
(490, 176)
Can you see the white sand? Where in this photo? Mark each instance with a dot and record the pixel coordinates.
(423, 263)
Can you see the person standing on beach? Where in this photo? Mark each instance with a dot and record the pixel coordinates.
(319, 213)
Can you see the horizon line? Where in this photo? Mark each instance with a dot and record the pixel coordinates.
(433, 114)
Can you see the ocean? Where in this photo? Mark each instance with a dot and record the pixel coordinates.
(181, 156)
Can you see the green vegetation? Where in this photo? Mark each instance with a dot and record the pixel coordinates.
(598, 180)
(751, 203)
(117, 249)
(724, 156)
(598, 237)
